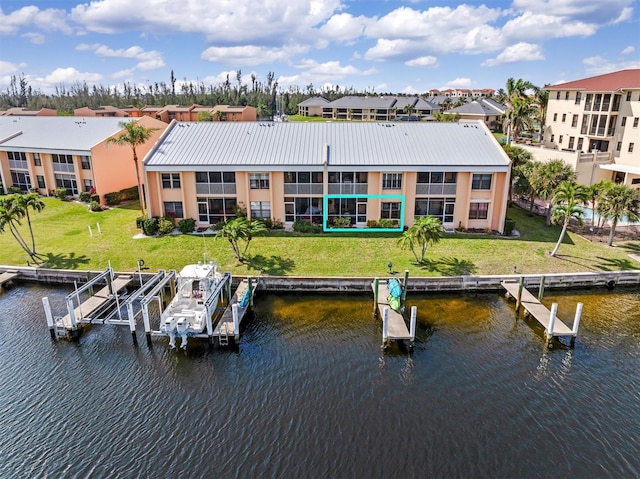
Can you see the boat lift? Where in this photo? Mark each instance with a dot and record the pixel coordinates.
(211, 305)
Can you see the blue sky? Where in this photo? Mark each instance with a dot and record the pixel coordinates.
(383, 46)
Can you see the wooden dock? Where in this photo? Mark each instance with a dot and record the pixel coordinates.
(397, 327)
(8, 277)
(225, 326)
(83, 313)
(553, 326)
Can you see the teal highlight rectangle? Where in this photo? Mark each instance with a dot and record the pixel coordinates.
(325, 217)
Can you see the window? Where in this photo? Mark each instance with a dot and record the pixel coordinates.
(616, 103)
(303, 182)
(173, 209)
(170, 180)
(215, 210)
(478, 211)
(631, 147)
(635, 122)
(21, 180)
(572, 139)
(347, 182)
(481, 182)
(17, 159)
(391, 181)
(580, 141)
(574, 121)
(566, 95)
(564, 117)
(623, 123)
(215, 182)
(587, 102)
(555, 117)
(390, 210)
(619, 146)
(261, 209)
(628, 96)
(578, 97)
(88, 185)
(560, 139)
(68, 182)
(304, 209)
(86, 165)
(36, 159)
(62, 163)
(40, 180)
(553, 137)
(441, 208)
(557, 95)
(259, 181)
(606, 100)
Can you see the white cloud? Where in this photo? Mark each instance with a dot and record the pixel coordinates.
(533, 26)
(344, 28)
(629, 50)
(591, 11)
(598, 65)
(70, 75)
(328, 72)
(8, 68)
(459, 82)
(520, 52)
(49, 20)
(250, 54)
(427, 61)
(35, 38)
(147, 60)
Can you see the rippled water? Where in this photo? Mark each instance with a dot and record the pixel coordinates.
(308, 393)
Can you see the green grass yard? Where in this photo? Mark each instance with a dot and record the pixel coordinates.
(62, 233)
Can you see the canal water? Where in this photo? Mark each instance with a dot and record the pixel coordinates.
(308, 393)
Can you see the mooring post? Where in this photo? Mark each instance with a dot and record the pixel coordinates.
(412, 324)
(98, 227)
(576, 323)
(229, 290)
(385, 326)
(147, 323)
(72, 315)
(90, 232)
(249, 280)
(541, 290)
(132, 323)
(404, 285)
(552, 322)
(519, 298)
(236, 322)
(376, 285)
(49, 315)
(210, 324)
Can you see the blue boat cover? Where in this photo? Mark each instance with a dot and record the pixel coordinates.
(395, 289)
(245, 298)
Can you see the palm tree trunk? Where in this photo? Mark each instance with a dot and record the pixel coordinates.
(140, 192)
(562, 233)
(33, 240)
(612, 233)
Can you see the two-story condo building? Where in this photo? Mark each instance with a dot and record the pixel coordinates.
(319, 172)
(45, 153)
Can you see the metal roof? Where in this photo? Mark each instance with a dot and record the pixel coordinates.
(314, 101)
(56, 133)
(256, 146)
(366, 102)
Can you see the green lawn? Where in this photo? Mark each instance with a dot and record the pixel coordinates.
(62, 234)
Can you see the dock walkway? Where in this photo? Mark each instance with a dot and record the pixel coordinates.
(7, 277)
(397, 327)
(225, 326)
(83, 313)
(547, 318)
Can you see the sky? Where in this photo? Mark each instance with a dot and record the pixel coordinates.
(378, 46)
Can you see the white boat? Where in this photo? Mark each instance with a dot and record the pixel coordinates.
(187, 313)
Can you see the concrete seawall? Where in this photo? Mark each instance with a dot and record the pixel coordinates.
(331, 284)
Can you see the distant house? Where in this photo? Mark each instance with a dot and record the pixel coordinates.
(46, 153)
(312, 106)
(234, 113)
(483, 109)
(101, 111)
(363, 171)
(26, 112)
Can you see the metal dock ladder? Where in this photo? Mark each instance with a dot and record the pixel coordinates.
(224, 335)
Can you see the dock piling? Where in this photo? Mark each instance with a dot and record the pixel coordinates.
(404, 285)
(385, 327)
(519, 298)
(576, 323)
(236, 321)
(552, 323)
(412, 324)
(541, 290)
(376, 285)
(249, 280)
(49, 315)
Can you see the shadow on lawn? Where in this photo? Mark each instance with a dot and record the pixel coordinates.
(60, 261)
(274, 265)
(611, 264)
(450, 266)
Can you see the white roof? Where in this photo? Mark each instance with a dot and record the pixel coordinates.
(256, 146)
(59, 134)
(634, 170)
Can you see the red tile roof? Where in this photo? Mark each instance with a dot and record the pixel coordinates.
(623, 79)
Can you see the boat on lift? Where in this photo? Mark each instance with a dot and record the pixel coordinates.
(186, 314)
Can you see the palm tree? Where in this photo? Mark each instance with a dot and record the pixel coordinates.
(520, 116)
(566, 201)
(238, 230)
(425, 231)
(593, 193)
(408, 109)
(33, 201)
(546, 178)
(12, 211)
(518, 156)
(616, 202)
(134, 135)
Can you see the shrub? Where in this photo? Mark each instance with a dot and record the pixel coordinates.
(62, 193)
(165, 225)
(277, 224)
(240, 210)
(187, 225)
(267, 222)
(113, 198)
(129, 194)
(387, 223)
(95, 206)
(140, 221)
(14, 190)
(94, 197)
(150, 226)
(372, 223)
(1, 189)
(509, 226)
(85, 197)
(342, 222)
(305, 227)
